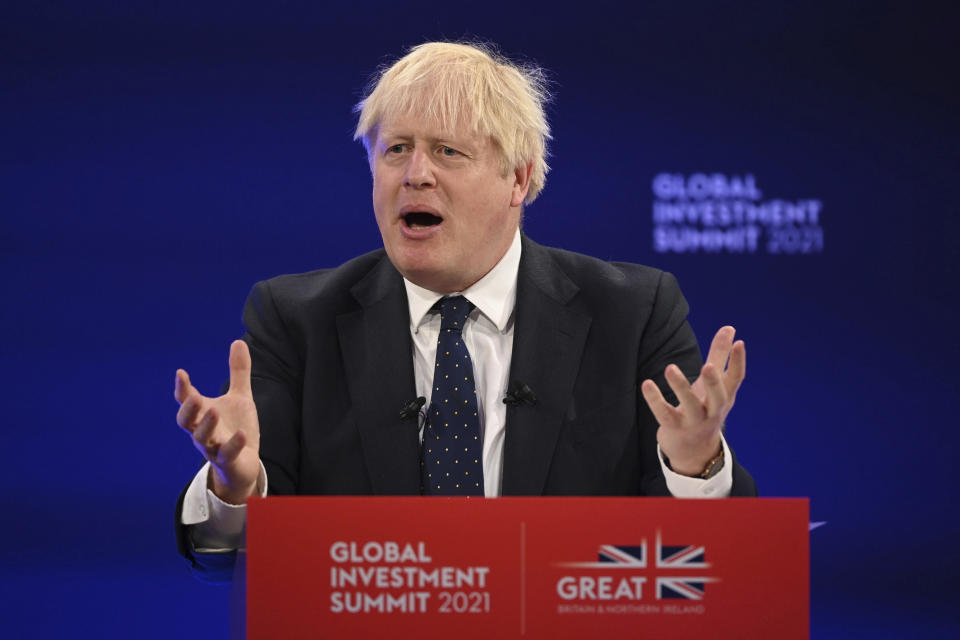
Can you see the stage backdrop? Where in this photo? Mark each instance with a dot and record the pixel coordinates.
(794, 164)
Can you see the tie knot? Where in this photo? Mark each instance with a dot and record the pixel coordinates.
(454, 312)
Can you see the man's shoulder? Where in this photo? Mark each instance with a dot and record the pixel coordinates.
(332, 288)
(585, 265)
(598, 278)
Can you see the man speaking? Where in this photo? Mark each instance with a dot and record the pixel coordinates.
(462, 358)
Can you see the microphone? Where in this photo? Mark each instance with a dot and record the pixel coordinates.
(518, 394)
(412, 408)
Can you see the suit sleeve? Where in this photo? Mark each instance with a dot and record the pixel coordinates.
(277, 381)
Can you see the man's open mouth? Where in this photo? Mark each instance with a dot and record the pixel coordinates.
(421, 219)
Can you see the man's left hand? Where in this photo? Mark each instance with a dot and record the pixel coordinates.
(689, 433)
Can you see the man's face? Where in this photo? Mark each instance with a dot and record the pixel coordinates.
(445, 210)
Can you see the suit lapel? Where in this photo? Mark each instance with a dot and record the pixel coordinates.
(375, 341)
(547, 347)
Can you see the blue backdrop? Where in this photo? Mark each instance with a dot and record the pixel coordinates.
(158, 160)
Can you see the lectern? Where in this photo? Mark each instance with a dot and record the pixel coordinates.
(372, 567)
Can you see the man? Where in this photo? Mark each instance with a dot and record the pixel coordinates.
(563, 356)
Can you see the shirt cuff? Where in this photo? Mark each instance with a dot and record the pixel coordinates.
(216, 526)
(718, 486)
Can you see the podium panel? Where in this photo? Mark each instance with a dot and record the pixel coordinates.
(338, 567)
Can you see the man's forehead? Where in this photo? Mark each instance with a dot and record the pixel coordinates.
(427, 128)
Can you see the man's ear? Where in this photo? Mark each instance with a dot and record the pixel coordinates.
(521, 184)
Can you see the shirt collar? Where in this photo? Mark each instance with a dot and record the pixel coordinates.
(495, 294)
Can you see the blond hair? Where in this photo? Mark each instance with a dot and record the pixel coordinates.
(468, 84)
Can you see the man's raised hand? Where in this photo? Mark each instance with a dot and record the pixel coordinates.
(689, 434)
(225, 429)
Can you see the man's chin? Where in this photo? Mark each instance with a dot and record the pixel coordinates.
(436, 281)
(432, 275)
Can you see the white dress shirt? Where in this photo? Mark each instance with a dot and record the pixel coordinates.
(488, 334)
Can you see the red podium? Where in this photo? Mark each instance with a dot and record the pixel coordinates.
(527, 568)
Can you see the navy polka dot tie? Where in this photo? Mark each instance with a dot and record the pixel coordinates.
(452, 462)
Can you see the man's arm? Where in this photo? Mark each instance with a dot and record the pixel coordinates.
(260, 410)
(226, 431)
(688, 422)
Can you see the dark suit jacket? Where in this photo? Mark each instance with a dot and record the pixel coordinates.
(332, 368)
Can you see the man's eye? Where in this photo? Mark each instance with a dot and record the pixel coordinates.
(397, 148)
(448, 151)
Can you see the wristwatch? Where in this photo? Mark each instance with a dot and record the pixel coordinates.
(713, 467)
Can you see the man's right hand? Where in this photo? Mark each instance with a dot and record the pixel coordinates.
(225, 429)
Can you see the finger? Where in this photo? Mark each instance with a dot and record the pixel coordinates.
(202, 435)
(231, 448)
(664, 412)
(716, 393)
(689, 402)
(189, 412)
(240, 366)
(720, 347)
(737, 370)
(181, 386)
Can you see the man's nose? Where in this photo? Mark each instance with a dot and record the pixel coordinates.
(420, 170)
